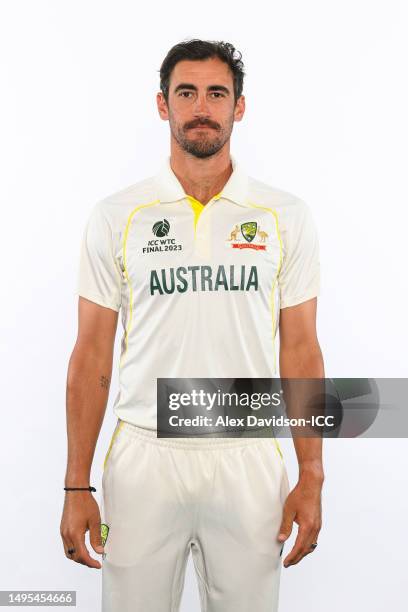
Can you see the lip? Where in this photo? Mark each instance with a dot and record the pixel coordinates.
(202, 127)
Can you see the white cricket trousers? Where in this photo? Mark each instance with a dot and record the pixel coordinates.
(220, 498)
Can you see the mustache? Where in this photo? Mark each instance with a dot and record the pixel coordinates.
(201, 122)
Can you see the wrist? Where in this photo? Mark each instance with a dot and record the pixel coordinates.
(311, 470)
(77, 478)
(77, 482)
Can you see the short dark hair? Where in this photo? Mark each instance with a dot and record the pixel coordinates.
(196, 49)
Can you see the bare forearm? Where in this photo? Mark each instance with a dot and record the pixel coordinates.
(307, 363)
(88, 382)
(301, 362)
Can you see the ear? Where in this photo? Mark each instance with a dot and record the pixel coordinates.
(162, 106)
(239, 108)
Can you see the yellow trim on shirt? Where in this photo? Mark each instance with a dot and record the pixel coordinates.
(198, 207)
(115, 433)
(275, 214)
(278, 447)
(125, 237)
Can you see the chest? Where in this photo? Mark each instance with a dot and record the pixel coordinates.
(224, 247)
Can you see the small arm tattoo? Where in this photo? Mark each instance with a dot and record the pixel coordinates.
(104, 382)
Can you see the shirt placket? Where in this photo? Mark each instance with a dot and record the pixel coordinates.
(202, 240)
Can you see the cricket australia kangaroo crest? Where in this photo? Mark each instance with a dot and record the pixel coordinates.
(248, 235)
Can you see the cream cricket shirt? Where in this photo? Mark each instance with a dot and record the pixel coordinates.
(199, 287)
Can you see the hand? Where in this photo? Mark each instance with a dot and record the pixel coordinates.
(302, 505)
(81, 512)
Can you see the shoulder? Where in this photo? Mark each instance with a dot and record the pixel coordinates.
(291, 210)
(281, 201)
(117, 207)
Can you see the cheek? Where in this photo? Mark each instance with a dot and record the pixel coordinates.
(227, 123)
(177, 118)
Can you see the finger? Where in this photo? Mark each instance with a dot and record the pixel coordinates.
(286, 526)
(67, 544)
(67, 547)
(305, 549)
(303, 553)
(314, 540)
(95, 537)
(315, 536)
(301, 546)
(82, 555)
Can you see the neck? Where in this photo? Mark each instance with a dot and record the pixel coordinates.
(201, 178)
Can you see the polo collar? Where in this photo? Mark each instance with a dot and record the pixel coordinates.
(169, 188)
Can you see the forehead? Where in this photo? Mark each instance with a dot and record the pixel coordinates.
(212, 71)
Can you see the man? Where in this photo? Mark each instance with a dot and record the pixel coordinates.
(205, 263)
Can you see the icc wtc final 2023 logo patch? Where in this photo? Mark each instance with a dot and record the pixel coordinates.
(254, 237)
(162, 242)
(161, 228)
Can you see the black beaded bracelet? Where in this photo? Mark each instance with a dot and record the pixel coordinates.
(92, 489)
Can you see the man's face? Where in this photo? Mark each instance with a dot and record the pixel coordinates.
(201, 109)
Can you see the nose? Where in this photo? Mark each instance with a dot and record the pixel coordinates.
(201, 106)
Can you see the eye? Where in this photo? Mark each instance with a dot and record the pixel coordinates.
(218, 94)
(185, 93)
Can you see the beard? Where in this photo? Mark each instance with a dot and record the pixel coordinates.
(201, 144)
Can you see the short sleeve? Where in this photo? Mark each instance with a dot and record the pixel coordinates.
(299, 278)
(99, 278)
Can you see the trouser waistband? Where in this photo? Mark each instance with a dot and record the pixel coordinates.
(199, 442)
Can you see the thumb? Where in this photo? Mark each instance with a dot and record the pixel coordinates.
(95, 537)
(286, 525)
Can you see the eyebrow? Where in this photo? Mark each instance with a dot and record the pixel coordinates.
(209, 88)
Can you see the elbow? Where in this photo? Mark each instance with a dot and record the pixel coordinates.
(303, 360)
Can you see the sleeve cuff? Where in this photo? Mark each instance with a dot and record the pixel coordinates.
(294, 301)
(98, 299)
